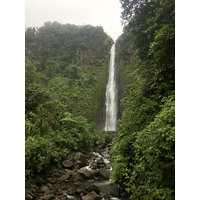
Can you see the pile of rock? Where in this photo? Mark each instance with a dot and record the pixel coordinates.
(78, 178)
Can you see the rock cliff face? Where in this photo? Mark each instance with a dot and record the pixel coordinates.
(101, 110)
(101, 113)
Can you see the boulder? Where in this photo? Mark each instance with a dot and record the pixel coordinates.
(63, 197)
(81, 190)
(44, 189)
(78, 164)
(85, 173)
(71, 198)
(67, 171)
(28, 197)
(47, 197)
(105, 155)
(101, 162)
(67, 163)
(39, 180)
(115, 193)
(59, 192)
(91, 196)
(81, 157)
(104, 173)
(71, 191)
(76, 177)
(64, 178)
(92, 187)
(94, 165)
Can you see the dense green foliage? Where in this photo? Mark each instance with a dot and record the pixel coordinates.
(64, 70)
(143, 154)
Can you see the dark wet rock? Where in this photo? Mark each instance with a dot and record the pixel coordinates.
(63, 197)
(91, 196)
(63, 185)
(87, 154)
(59, 192)
(101, 164)
(39, 180)
(91, 187)
(81, 190)
(115, 193)
(71, 191)
(86, 174)
(80, 157)
(101, 144)
(105, 155)
(67, 171)
(49, 185)
(78, 164)
(47, 197)
(76, 177)
(67, 163)
(94, 165)
(57, 173)
(78, 183)
(104, 173)
(28, 197)
(108, 166)
(44, 189)
(64, 178)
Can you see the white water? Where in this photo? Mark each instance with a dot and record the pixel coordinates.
(111, 95)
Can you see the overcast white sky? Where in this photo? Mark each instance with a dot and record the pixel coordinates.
(95, 12)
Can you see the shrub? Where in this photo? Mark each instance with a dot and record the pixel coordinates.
(149, 167)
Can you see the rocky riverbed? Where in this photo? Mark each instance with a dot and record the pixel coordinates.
(85, 176)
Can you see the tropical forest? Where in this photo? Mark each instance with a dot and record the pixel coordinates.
(99, 113)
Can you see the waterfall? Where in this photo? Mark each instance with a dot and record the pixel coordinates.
(111, 95)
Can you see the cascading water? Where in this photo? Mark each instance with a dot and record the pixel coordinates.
(111, 95)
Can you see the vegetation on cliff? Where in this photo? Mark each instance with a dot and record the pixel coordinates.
(143, 154)
(65, 66)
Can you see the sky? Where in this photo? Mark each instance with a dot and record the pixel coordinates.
(105, 13)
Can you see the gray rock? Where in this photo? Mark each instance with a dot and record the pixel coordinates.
(91, 196)
(71, 191)
(104, 173)
(77, 178)
(67, 163)
(86, 174)
(115, 193)
(94, 165)
(47, 197)
(81, 190)
(101, 163)
(63, 197)
(28, 197)
(44, 189)
(78, 164)
(64, 178)
(81, 157)
(91, 187)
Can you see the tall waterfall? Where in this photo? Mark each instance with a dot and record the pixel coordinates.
(111, 95)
